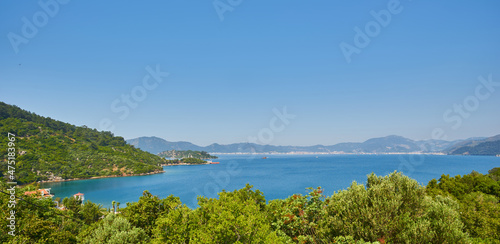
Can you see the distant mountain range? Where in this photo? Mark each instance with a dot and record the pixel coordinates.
(388, 144)
(485, 146)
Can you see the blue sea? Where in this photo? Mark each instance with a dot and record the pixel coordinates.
(278, 176)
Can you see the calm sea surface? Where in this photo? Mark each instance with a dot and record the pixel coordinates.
(278, 176)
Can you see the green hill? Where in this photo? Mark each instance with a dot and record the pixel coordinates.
(186, 154)
(47, 149)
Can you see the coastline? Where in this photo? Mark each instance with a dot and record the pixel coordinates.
(100, 177)
(116, 176)
(182, 164)
(329, 153)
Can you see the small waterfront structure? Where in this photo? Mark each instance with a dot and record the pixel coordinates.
(44, 193)
(79, 196)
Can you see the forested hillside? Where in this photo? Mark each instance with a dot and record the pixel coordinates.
(47, 149)
(484, 148)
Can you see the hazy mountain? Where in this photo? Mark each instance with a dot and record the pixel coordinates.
(473, 141)
(442, 145)
(388, 144)
(488, 146)
(156, 145)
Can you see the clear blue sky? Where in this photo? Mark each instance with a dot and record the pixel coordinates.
(227, 76)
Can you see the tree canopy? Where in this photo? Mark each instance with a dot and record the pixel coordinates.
(387, 209)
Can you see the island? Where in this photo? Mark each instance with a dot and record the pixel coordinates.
(187, 161)
(186, 154)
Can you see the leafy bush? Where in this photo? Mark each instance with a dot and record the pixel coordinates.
(478, 198)
(236, 217)
(144, 213)
(392, 209)
(298, 216)
(389, 209)
(115, 230)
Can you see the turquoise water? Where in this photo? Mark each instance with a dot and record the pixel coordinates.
(278, 176)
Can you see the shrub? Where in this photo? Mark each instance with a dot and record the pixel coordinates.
(392, 209)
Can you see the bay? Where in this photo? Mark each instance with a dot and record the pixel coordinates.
(278, 176)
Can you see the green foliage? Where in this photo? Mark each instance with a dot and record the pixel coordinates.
(37, 221)
(391, 209)
(72, 204)
(90, 212)
(186, 154)
(350, 240)
(298, 216)
(192, 161)
(236, 217)
(481, 215)
(144, 213)
(459, 186)
(494, 174)
(52, 150)
(444, 218)
(185, 161)
(478, 196)
(175, 226)
(114, 230)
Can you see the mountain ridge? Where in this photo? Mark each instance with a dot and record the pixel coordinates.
(486, 147)
(387, 144)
